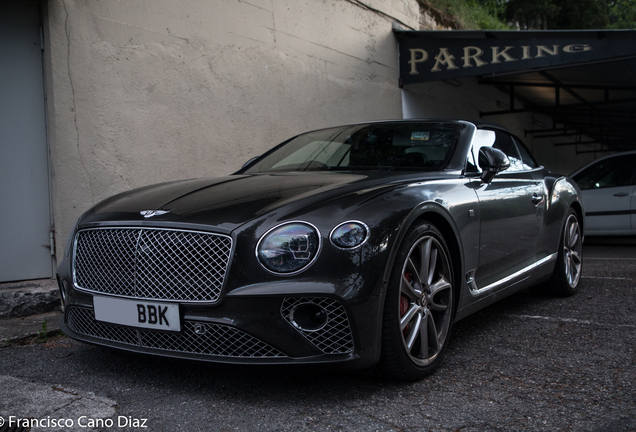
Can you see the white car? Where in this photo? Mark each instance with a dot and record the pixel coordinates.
(607, 187)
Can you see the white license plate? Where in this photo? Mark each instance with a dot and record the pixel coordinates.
(137, 313)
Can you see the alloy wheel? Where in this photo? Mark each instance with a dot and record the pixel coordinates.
(572, 250)
(426, 297)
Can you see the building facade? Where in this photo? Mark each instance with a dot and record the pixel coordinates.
(137, 92)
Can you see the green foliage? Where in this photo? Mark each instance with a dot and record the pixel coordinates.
(534, 14)
(43, 336)
(496, 8)
(539, 14)
(470, 14)
(572, 14)
(579, 14)
(621, 14)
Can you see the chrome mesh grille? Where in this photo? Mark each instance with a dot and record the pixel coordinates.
(335, 337)
(194, 338)
(152, 263)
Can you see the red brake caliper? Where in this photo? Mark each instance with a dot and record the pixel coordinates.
(404, 302)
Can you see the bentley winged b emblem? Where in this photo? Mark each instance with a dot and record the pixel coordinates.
(151, 213)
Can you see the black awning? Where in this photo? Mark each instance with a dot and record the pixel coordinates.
(584, 80)
(439, 55)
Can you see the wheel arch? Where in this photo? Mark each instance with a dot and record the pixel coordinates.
(440, 217)
(454, 249)
(578, 208)
(565, 194)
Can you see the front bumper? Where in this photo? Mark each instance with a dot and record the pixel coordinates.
(239, 330)
(248, 319)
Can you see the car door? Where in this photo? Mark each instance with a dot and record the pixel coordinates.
(607, 188)
(511, 209)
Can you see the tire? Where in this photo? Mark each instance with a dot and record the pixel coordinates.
(419, 306)
(567, 272)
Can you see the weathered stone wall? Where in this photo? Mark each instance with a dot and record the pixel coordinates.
(28, 298)
(142, 91)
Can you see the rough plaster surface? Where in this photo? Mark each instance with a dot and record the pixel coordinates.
(146, 91)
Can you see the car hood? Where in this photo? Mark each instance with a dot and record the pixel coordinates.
(228, 202)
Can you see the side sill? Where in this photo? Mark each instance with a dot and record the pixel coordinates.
(474, 290)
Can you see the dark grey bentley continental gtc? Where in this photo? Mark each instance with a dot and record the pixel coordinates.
(359, 245)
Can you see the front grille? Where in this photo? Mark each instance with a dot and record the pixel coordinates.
(335, 337)
(194, 338)
(152, 263)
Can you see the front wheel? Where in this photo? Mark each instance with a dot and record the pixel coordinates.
(419, 305)
(567, 273)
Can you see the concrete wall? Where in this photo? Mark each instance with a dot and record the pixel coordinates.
(143, 91)
(565, 159)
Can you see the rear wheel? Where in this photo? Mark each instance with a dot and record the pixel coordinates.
(567, 273)
(419, 306)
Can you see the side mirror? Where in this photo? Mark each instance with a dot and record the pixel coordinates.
(492, 161)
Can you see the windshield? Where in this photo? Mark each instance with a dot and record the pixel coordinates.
(401, 146)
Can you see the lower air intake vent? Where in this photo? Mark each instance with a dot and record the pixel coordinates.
(334, 337)
(194, 338)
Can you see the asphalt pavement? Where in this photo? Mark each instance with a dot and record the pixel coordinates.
(528, 363)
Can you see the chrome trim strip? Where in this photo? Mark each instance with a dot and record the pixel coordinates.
(515, 180)
(513, 276)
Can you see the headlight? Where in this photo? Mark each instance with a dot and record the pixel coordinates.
(288, 248)
(349, 235)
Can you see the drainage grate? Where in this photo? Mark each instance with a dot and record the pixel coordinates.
(335, 337)
(194, 338)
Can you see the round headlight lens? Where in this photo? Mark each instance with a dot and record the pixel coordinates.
(349, 235)
(288, 248)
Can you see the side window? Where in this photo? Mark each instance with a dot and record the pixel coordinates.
(607, 173)
(526, 157)
(505, 143)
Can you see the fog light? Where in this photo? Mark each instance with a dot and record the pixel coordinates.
(309, 317)
(349, 235)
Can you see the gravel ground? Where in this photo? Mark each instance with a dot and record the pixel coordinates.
(530, 362)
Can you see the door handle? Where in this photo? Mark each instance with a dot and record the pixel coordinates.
(536, 199)
(621, 194)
